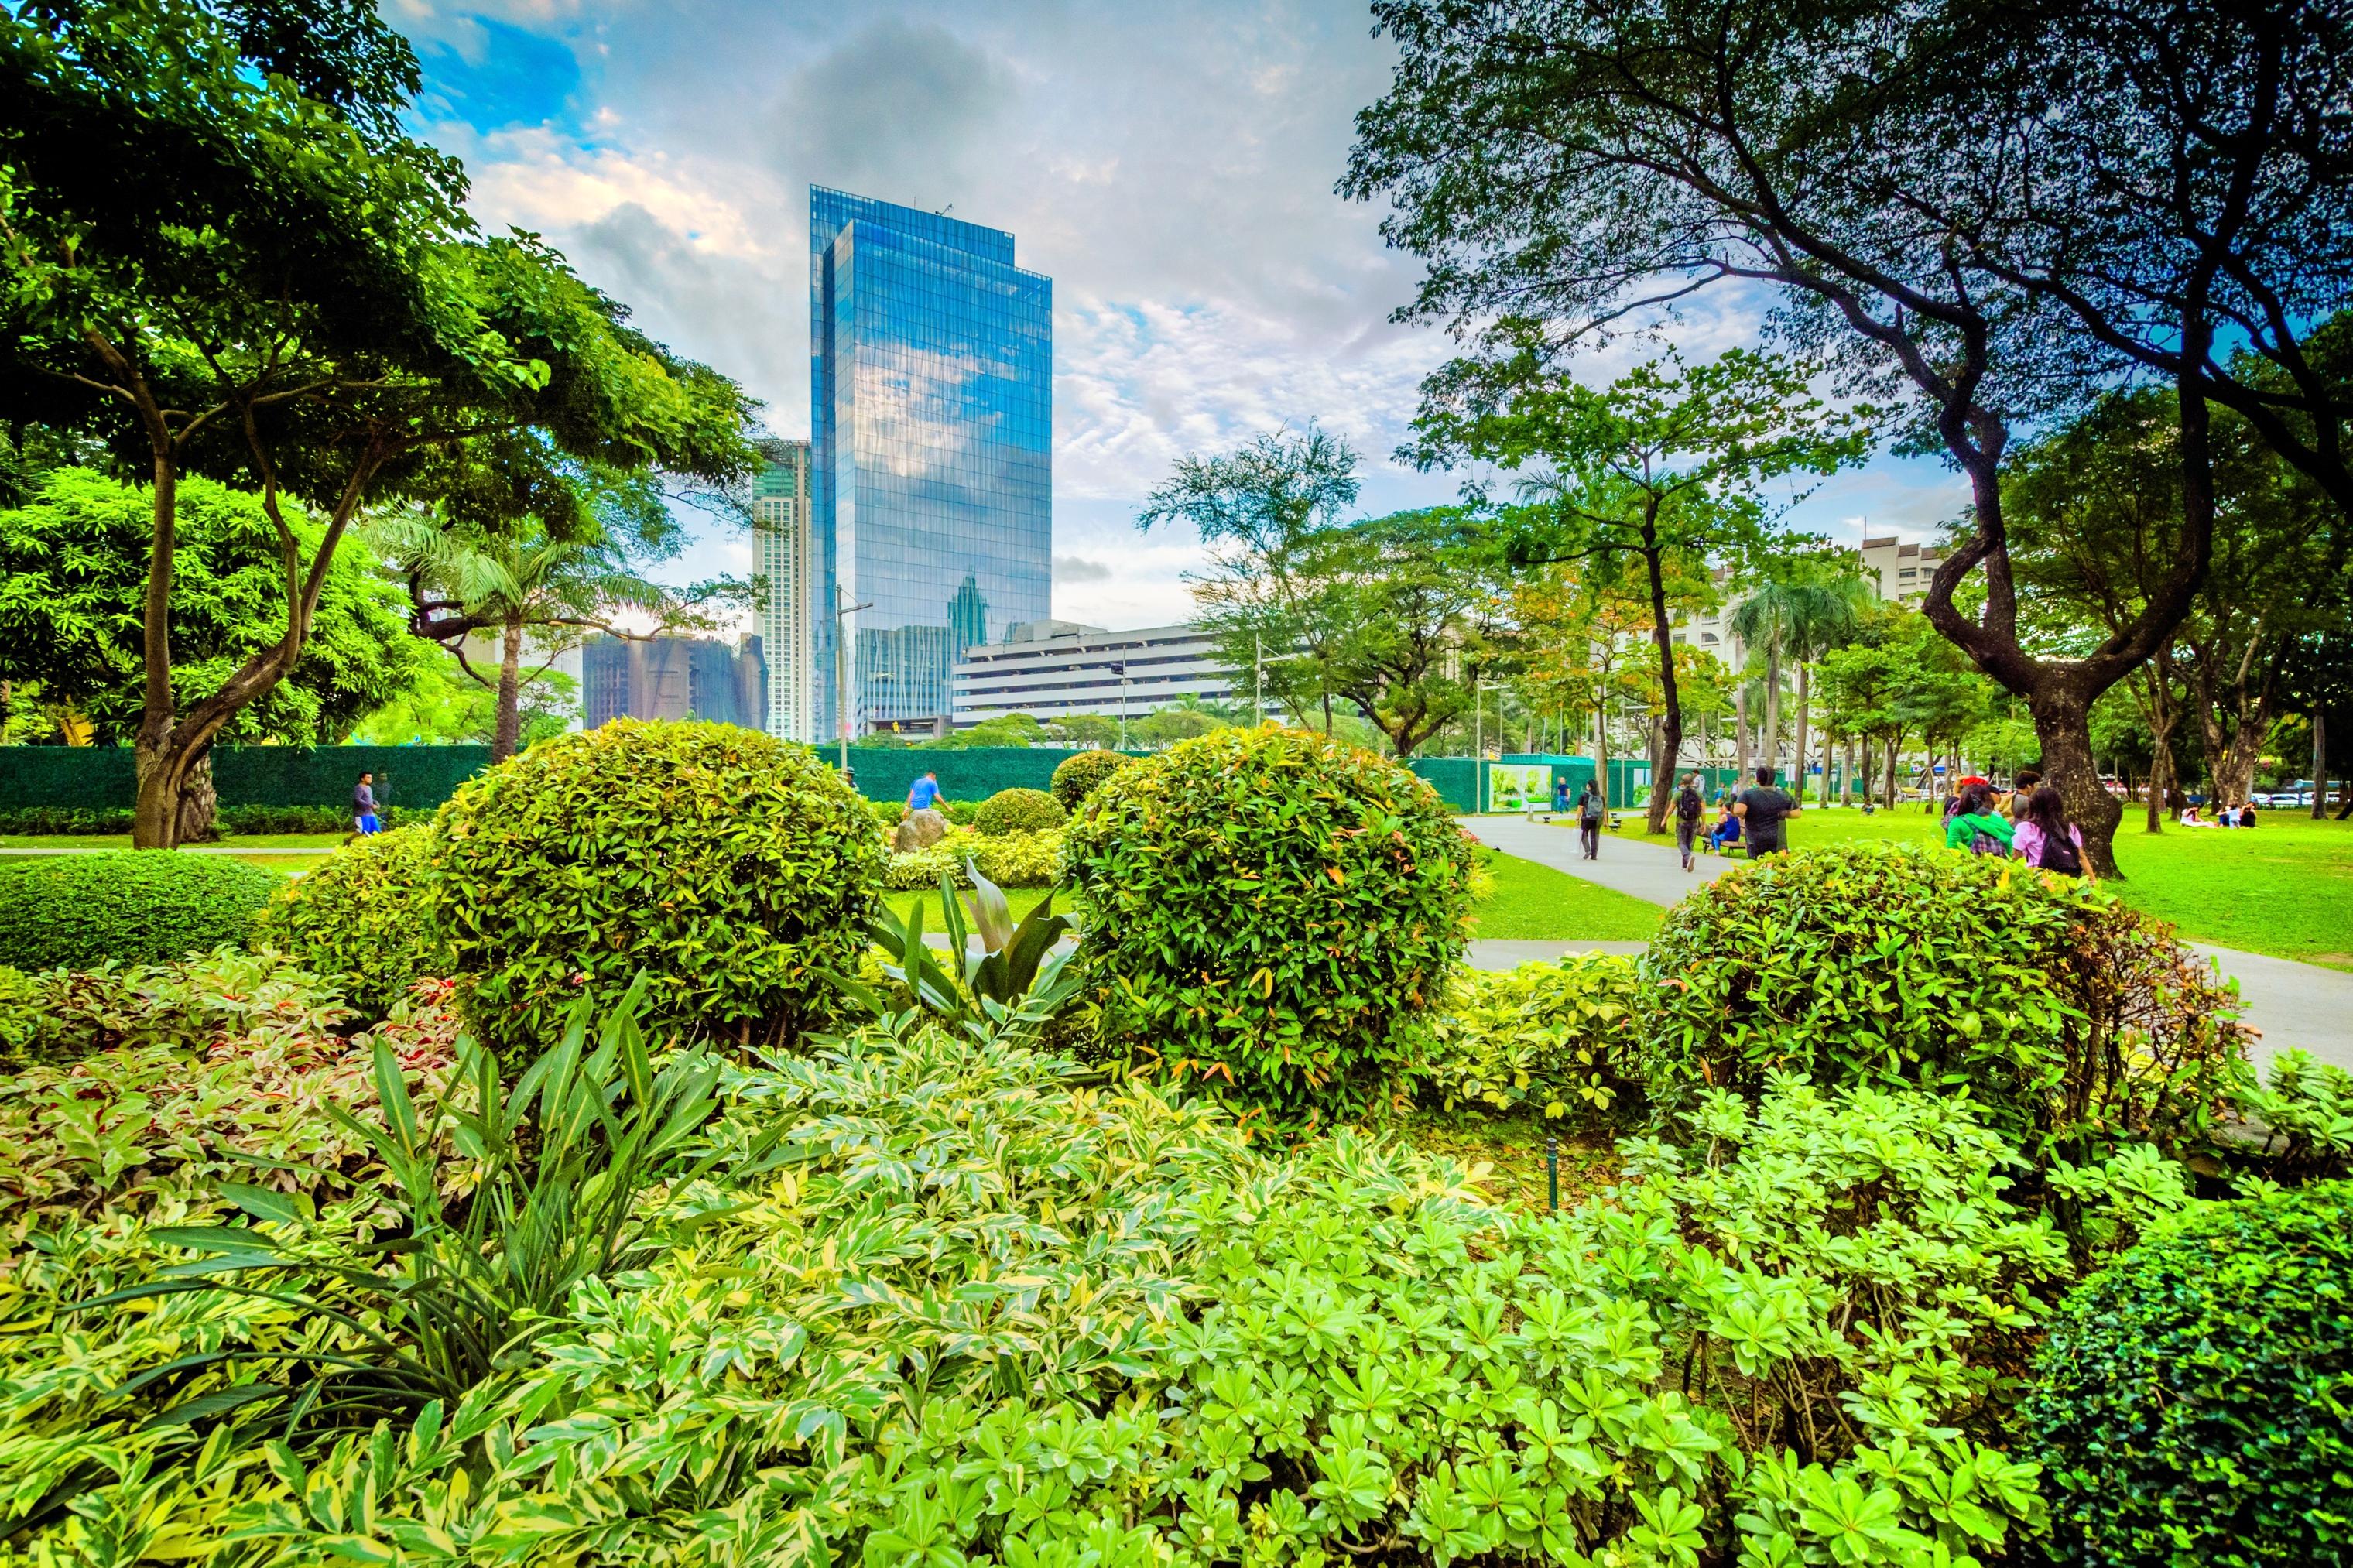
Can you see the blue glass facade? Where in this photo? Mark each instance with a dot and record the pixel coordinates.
(931, 430)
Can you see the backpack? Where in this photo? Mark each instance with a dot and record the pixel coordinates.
(1588, 812)
(2059, 855)
(1982, 843)
(1687, 806)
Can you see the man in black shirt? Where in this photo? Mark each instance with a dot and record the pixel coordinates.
(1761, 809)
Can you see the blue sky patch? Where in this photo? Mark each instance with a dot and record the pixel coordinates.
(515, 78)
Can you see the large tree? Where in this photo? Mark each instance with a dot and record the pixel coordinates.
(215, 265)
(73, 584)
(1984, 208)
(1656, 474)
(1261, 513)
(1420, 621)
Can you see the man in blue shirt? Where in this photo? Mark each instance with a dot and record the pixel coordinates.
(926, 793)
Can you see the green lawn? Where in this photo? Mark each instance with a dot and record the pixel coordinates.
(1530, 902)
(1537, 903)
(2284, 888)
(319, 841)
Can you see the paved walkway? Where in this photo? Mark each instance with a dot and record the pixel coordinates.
(2299, 1005)
(186, 850)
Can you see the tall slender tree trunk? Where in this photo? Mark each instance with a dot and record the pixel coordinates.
(2161, 780)
(1771, 749)
(1829, 743)
(1740, 735)
(509, 734)
(2319, 765)
(1894, 742)
(1805, 700)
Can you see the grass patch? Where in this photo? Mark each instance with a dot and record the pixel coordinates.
(2284, 888)
(319, 841)
(1537, 903)
(1022, 900)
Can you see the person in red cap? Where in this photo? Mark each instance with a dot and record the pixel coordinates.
(1960, 787)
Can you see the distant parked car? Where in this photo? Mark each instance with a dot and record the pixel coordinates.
(2261, 798)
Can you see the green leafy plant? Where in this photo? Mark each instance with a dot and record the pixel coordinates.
(1557, 1037)
(1010, 860)
(1013, 986)
(2075, 1022)
(182, 1081)
(123, 907)
(1017, 810)
(2191, 1404)
(363, 918)
(1271, 911)
(1075, 777)
(2305, 1109)
(732, 867)
(561, 1163)
(189, 1004)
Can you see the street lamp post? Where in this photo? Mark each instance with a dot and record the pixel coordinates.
(1119, 668)
(842, 671)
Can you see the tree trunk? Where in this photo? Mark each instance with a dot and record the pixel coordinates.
(1601, 754)
(1805, 700)
(2319, 765)
(199, 803)
(509, 734)
(1740, 735)
(1846, 775)
(2160, 778)
(2063, 723)
(1894, 742)
(1771, 749)
(1830, 760)
(155, 817)
(1669, 726)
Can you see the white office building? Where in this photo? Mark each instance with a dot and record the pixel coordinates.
(783, 557)
(1055, 670)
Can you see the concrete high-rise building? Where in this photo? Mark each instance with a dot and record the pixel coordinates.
(931, 420)
(785, 559)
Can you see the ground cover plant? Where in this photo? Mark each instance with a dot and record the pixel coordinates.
(363, 918)
(2074, 1022)
(1013, 860)
(926, 1293)
(1269, 909)
(78, 911)
(734, 868)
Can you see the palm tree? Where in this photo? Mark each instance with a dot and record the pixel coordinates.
(1799, 618)
(466, 580)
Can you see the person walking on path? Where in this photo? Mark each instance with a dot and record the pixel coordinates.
(363, 817)
(1560, 794)
(1762, 809)
(1688, 807)
(1589, 821)
(1974, 825)
(2047, 841)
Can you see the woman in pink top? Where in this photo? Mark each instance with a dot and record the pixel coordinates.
(2047, 840)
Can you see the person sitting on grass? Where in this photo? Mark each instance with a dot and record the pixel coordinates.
(2048, 841)
(1974, 825)
(2190, 818)
(2246, 814)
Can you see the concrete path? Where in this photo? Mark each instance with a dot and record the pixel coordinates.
(2296, 1005)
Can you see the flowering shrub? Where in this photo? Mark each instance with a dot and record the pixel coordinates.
(1557, 1037)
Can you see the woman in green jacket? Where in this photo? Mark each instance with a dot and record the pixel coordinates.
(1976, 826)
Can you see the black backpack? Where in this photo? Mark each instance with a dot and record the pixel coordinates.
(2059, 855)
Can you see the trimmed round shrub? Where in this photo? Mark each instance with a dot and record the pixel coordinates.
(2194, 1402)
(1017, 810)
(362, 918)
(735, 869)
(126, 906)
(1269, 911)
(2073, 1019)
(1076, 776)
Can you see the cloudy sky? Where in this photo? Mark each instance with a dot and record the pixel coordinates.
(1169, 165)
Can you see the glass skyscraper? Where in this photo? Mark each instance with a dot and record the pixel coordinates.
(931, 420)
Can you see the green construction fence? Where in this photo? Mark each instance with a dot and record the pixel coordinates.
(421, 777)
